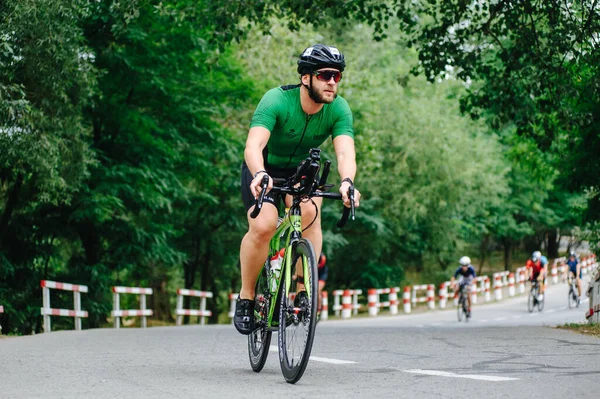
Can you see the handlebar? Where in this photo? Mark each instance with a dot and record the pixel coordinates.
(303, 184)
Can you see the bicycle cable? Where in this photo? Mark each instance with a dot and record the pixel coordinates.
(316, 212)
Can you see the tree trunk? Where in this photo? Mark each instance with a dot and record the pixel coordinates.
(11, 203)
(160, 297)
(483, 251)
(553, 244)
(507, 243)
(92, 246)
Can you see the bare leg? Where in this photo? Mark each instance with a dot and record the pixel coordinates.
(314, 233)
(255, 247)
(321, 286)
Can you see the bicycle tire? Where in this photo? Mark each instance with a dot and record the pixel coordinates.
(259, 340)
(297, 323)
(459, 312)
(466, 310)
(572, 297)
(540, 304)
(531, 300)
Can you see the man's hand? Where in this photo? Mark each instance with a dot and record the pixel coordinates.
(344, 191)
(256, 187)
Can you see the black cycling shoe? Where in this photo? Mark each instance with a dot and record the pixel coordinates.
(243, 319)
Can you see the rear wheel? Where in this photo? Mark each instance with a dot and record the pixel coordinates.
(260, 339)
(298, 312)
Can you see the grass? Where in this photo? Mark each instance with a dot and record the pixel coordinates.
(582, 328)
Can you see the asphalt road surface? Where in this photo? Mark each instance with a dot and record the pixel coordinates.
(504, 351)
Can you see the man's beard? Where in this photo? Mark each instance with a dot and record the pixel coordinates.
(318, 97)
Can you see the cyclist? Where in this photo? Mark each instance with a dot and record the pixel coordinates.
(542, 259)
(288, 121)
(467, 273)
(575, 269)
(323, 273)
(536, 270)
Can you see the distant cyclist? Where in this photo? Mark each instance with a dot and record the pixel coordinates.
(467, 273)
(323, 273)
(575, 269)
(542, 258)
(536, 270)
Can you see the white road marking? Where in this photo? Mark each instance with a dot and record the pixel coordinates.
(551, 310)
(436, 324)
(273, 348)
(499, 318)
(420, 325)
(483, 321)
(439, 373)
(517, 316)
(333, 361)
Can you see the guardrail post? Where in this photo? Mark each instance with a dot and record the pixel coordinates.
(117, 308)
(46, 305)
(143, 309)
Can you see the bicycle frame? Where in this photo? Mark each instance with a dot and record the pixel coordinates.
(289, 231)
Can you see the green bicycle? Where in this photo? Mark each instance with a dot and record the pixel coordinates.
(287, 303)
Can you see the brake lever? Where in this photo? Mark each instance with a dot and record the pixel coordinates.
(261, 196)
(347, 211)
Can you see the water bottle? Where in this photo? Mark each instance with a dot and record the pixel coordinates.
(275, 264)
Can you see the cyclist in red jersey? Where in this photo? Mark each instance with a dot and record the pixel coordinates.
(536, 270)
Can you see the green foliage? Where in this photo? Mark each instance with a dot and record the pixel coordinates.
(122, 125)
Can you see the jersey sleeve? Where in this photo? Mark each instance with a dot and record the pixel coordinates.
(473, 271)
(344, 121)
(267, 110)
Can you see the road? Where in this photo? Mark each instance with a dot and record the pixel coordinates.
(503, 352)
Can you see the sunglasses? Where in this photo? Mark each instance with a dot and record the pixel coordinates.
(326, 76)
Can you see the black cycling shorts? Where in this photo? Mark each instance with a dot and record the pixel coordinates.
(323, 273)
(271, 198)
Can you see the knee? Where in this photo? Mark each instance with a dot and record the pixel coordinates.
(308, 218)
(262, 232)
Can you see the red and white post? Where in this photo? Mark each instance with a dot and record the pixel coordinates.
(406, 299)
(393, 298)
(202, 313)
(431, 296)
(232, 298)
(47, 311)
(373, 301)
(324, 306)
(346, 304)
(511, 284)
(521, 279)
(498, 286)
(554, 273)
(443, 294)
(142, 312)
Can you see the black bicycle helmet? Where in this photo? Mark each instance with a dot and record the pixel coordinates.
(320, 56)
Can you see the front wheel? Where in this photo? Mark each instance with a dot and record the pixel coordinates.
(259, 340)
(573, 300)
(298, 310)
(531, 300)
(540, 303)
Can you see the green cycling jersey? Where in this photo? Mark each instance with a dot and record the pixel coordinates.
(293, 132)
